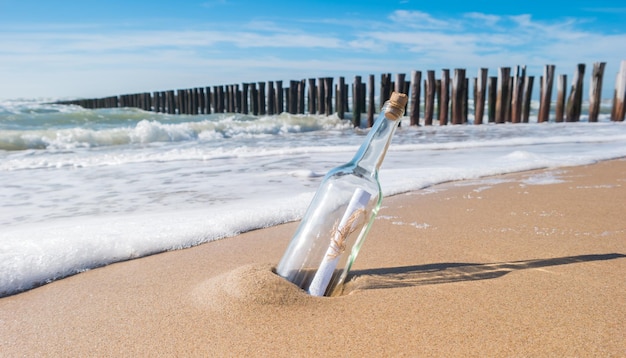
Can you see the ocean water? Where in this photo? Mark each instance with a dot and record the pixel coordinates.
(84, 188)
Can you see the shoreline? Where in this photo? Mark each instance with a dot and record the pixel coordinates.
(528, 263)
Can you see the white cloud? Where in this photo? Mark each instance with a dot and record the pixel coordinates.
(420, 20)
(485, 19)
(262, 50)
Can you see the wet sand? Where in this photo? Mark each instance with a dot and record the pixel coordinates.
(525, 264)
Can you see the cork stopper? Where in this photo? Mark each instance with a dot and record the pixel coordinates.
(396, 106)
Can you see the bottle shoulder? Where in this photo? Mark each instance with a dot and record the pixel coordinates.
(354, 170)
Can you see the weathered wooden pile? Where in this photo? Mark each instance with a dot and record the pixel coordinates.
(502, 98)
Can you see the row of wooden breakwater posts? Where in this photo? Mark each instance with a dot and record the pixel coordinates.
(507, 95)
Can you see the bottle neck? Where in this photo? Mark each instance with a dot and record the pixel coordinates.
(372, 152)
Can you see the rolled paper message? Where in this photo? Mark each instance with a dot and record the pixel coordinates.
(347, 224)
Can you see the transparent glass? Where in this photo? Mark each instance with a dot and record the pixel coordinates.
(341, 213)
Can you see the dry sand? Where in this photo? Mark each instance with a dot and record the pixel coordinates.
(527, 264)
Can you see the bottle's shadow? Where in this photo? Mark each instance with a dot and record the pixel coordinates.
(431, 274)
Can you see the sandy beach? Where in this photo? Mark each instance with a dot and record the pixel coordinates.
(518, 265)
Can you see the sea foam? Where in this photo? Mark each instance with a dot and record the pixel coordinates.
(81, 189)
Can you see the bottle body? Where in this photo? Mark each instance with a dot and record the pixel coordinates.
(320, 248)
(340, 215)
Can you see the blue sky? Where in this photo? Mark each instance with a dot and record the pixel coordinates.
(86, 48)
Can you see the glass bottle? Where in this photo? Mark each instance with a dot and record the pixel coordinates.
(341, 213)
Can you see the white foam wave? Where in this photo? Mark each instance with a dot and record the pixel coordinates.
(93, 187)
(28, 258)
(153, 131)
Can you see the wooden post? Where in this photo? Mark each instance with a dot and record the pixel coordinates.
(312, 96)
(559, 111)
(180, 101)
(228, 98)
(190, 101)
(201, 99)
(508, 100)
(157, 102)
(619, 99)
(163, 102)
(254, 99)
(400, 81)
(595, 90)
(406, 90)
(416, 81)
(475, 96)
(399, 86)
(187, 102)
(215, 99)
(301, 96)
(575, 100)
(371, 107)
(479, 100)
(245, 108)
(356, 96)
(516, 94)
(221, 98)
(328, 85)
(152, 101)
(528, 91)
(261, 96)
(458, 81)
(444, 95)
(429, 100)
(229, 101)
(465, 99)
(458, 85)
(237, 98)
(385, 88)
(346, 97)
(280, 103)
(340, 96)
(233, 98)
(286, 96)
(504, 74)
(147, 101)
(492, 98)
(363, 97)
(546, 94)
(207, 104)
(207, 100)
(175, 101)
(437, 104)
(293, 97)
(171, 102)
(271, 98)
(321, 104)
